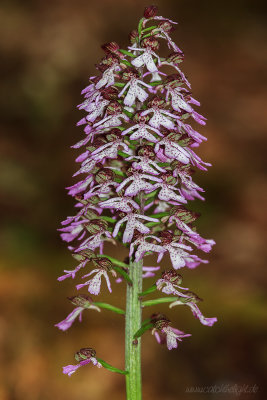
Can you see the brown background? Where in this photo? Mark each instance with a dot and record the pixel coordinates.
(49, 49)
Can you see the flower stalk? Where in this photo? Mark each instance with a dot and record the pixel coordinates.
(137, 167)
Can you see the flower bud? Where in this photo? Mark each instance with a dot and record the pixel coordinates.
(146, 151)
(129, 73)
(104, 175)
(96, 226)
(114, 107)
(175, 58)
(91, 213)
(84, 255)
(113, 48)
(103, 262)
(169, 178)
(191, 297)
(156, 101)
(141, 118)
(151, 42)
(110, 93)
(183, 214)
(82, 300)
(159, 320)
(172, 276)
(166, 237)
(166, 26)
(150, 11)
(133, 37)
(85, 354)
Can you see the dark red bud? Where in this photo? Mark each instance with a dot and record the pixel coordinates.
(133, 37)
(166, 237)
(150, 11)
(111, 47)
(151, 42)
(85, 354)
(110, 93)
(146, 151)
(166, 26)
(172, 276)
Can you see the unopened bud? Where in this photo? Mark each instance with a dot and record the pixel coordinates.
(82, 300)
(103, 262)
(172, 276)
(150, 11)
(133, 37)
(85, 354)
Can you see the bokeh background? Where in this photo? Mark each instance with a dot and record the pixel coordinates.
(49, 49)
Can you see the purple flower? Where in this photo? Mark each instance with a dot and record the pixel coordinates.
(141, 129)
(164, 333)
(170, 282)
(144, 247)
(108, 77)
(173, 150)
(138, 183)
(196, 312)
(145, 59)
(191, 235)
(177, 251)
(145, 164)
(84, 356)
(132, 223)
(149, 272)
(74, 231)
(94, 284)
(77, 312)
(124, 204)
(135, 91)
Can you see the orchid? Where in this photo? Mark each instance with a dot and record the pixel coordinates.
(138, 184)
(137, 159)
(134, 91)
(164, 333)
(141, 130)
(132, 223)
(84, 356)
(146, 56)
(83, 302)
(195, 310)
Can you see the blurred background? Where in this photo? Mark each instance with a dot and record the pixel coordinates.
(49, 49)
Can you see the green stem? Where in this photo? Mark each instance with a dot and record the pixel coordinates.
(132, 325)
